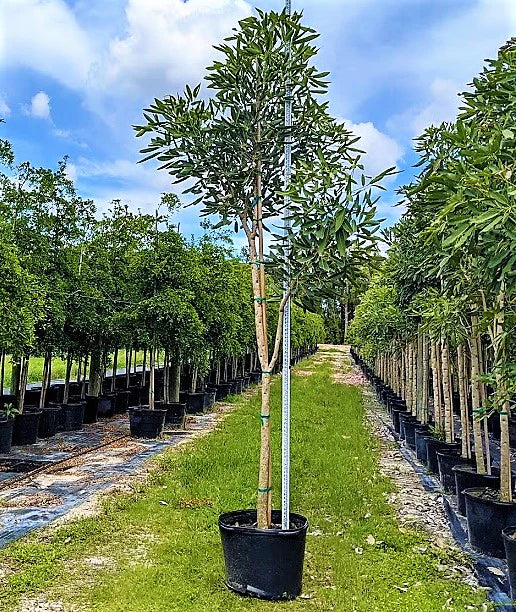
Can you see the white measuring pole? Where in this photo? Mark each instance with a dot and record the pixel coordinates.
(285, 379)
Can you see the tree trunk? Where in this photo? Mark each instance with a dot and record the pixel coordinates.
(425, 382)
(475, 399)
(464, 412)
(128, 353)
(95, 381)
(47, 376)
(24, 374)
(448, 409)
(115, 368)
(144, 368)
(175, 381)
(152, 352)
(66, 392)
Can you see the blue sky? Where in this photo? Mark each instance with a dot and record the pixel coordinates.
(76, 74)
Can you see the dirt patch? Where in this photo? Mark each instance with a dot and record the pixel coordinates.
(38, 500)
(42, 604)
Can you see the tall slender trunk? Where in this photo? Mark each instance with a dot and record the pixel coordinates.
(144, 368)
(419, 377)
(68, 373)
(128, 355)
(24, 375)
(476, 399)
(448, 409)
(115, 368)
(425, 381)
(464, 412)
(152, 353)
(175, 380)
(79, 369)
(95, 381)
(47, 377)
(15, 375)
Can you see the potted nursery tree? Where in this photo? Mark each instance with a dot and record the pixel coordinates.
(231, 148)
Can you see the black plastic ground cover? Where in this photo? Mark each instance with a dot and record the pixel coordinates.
(99, 475)
(498, 585)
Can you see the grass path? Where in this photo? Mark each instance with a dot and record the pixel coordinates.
(158, 548)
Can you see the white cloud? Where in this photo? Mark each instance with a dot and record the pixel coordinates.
(39, 106)
(166, 44)
(5, 110)
(441, 104)
(381, 151)
(44, 35)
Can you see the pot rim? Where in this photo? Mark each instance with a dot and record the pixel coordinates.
(254, 530)
(469, 492)
(457, 468)
(507, 532)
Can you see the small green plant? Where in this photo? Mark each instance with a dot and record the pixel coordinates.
(437, 432)
(8, 412)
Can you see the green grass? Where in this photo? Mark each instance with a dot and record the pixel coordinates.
(59, 367)
(161, 545)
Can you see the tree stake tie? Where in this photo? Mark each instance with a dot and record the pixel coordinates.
(264, 418)
(266, 372)
(266, 490)
(260, 299)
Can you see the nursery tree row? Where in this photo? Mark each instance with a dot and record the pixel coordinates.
(81, 286)
(438, 321)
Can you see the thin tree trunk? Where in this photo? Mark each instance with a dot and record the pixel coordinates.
(175, 381)
(41, 404)
(464, 413)
(144, 368)
(68, 373)
(152, 352)
(448, 409)
(79, 369)
(128, 355)
(15, 375)
(115, 368)
(424, 391)
(24, 374)
(475, 399)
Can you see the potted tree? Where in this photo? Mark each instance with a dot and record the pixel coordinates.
(231, 147)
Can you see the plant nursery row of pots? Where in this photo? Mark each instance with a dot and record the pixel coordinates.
(127, 393)
(491, 522)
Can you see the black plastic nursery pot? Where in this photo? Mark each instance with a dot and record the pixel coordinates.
(25, 430)
(47, 426)
(405, 417)
(91, 409)
(106, 406)
(223, 390)
(255, 377)
(73, 415)
(409, 428)
(509, 541)
(146, 423)
(175, 417)
(209, 398)
(194, 403)
(420, 437)
(6, 435)
(263, 563)
(432, 446)
(467, 477)
(446, 462)
(396, 418)
(122, 401)
(487, 518)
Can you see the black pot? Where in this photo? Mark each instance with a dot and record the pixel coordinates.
(32, 396)
(195, 403)
(146, 423)
(263, 563)
(25, 430)
(396, 418)
(6, 435)
(209, 398)
(106, 406)
(404, 418)
(91, 409)
(122, 401)
(420, 437)
(73, 416)
(409, 428)
(432, 446)
(236, 386)
(466, 477)
(223, 390)
(175, 416)
(48, 422)
(55, 394)
(509, 542)
(487, 518)
(446, 462)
